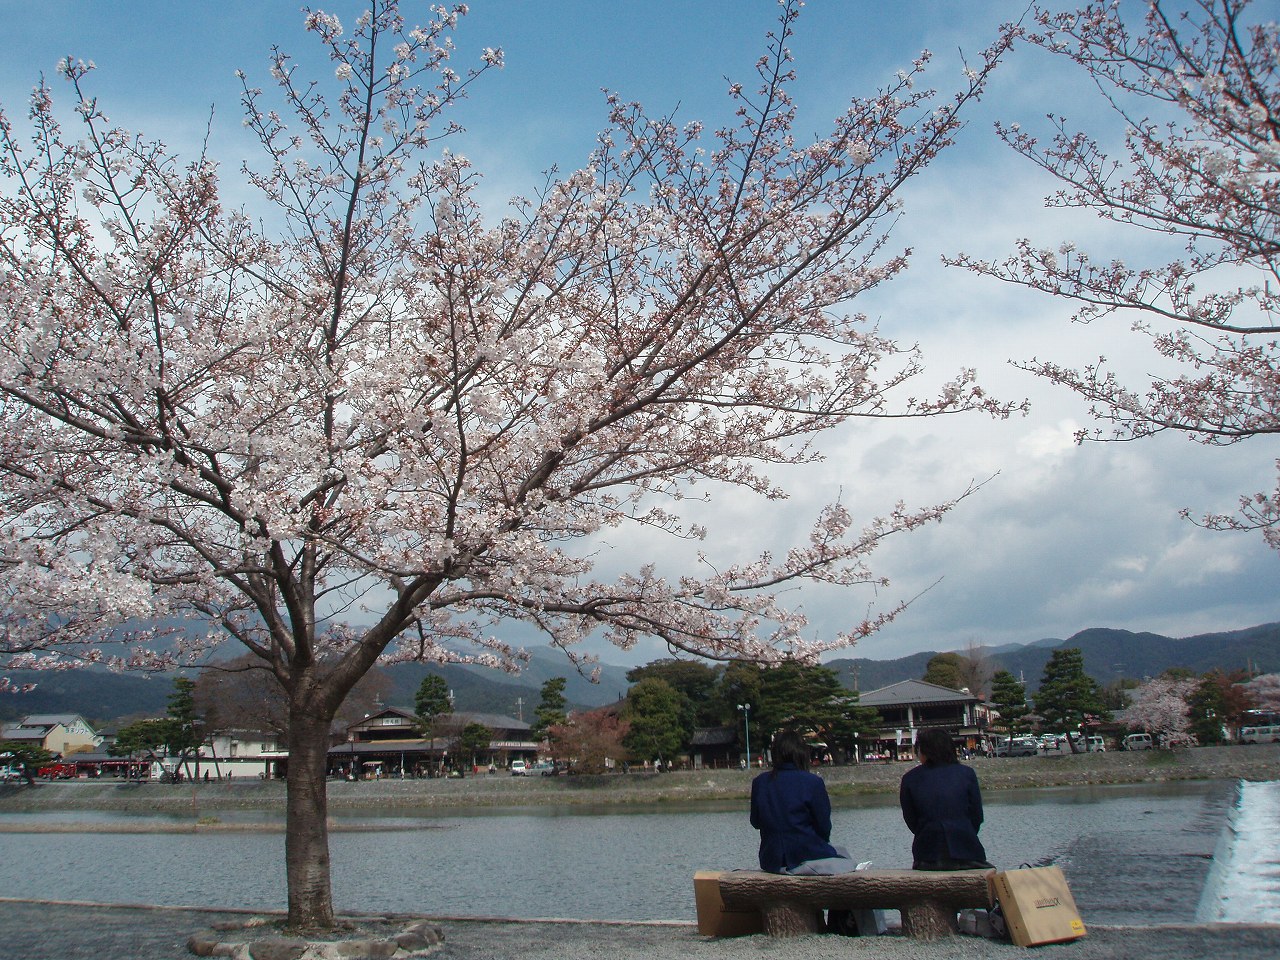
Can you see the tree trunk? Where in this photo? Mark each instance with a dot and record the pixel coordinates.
(306, 842)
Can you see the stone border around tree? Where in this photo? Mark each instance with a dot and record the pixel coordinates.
(354, 938)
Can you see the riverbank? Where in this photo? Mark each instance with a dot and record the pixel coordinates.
(1256, 762)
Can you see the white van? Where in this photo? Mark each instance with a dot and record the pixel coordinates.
(1096, 745)
(1269, 734)
(1137, 741)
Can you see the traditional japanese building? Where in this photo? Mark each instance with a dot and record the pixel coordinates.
(390, 743)
(909, 706)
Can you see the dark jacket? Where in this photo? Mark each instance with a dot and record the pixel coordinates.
(943, 808)
(792, 811)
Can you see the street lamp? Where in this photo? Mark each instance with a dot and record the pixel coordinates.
(745, 708)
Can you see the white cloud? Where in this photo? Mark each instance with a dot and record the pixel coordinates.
(1061, 537)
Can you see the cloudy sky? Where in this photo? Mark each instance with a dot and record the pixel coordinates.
(1060, 538)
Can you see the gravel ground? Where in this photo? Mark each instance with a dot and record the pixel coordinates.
(42, 931)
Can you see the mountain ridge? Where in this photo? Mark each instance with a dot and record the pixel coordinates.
(1109, 654)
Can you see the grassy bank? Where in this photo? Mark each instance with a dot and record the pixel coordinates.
(728, 787)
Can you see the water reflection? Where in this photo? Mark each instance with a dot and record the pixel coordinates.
(583, 863)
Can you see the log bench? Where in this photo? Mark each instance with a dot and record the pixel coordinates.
(792, 905)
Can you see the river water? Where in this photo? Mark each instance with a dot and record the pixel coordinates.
(1133, 854)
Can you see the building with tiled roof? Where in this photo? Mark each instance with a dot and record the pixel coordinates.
(909, 706)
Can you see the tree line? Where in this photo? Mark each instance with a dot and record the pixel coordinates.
(670, 699)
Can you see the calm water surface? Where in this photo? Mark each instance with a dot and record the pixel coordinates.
(603, 864)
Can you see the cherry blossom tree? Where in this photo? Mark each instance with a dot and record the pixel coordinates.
(367, 420)
(1197, 87)
(1160, 709)
(1264, 691)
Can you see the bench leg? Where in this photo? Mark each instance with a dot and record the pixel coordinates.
(928, 921)
(791, 919)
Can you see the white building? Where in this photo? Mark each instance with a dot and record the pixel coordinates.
(242, 753)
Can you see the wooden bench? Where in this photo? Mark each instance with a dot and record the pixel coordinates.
(792, 905)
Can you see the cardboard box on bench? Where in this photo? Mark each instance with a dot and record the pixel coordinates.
(714, 918)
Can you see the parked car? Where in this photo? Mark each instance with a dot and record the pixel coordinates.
(10, 773)
(1018, 747)
(1096, 745)
(1268, 734)
(1137, 741)
(519, 769)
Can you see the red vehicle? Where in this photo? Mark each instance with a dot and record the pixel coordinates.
(58, 771)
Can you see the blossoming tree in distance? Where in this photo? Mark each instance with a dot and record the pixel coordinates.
(1197, 87)
(380, 430)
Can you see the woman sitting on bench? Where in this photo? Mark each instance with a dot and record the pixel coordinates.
(942, 806)
(791, 809)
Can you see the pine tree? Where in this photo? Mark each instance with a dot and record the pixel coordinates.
(431, 702)
(653, 710)
(945, 670)
(1009, 697)
(551, 708)
(1068, 698)
(1207, 709)
(185, 730)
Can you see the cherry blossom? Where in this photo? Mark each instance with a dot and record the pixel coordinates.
(1265, 691)
(394, 425)
(1199, 94)
(1160, 709)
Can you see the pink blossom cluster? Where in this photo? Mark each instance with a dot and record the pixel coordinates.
(1199, 94)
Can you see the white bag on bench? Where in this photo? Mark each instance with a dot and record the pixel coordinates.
(870, 923)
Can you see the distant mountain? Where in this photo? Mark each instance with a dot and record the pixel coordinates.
(1108, 655)
(104, 697)
(485, 690)
(97, 695)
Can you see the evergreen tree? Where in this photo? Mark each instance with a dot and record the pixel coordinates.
(551, 708)
(143, 738)
(695, 681)
(654, 713)
(1207, 709)
(186, 731)
(1068, 698)
(1009, 697)
(854, 723)
(807, 698)
(1236, 699)
(946, 670)
(739, 683)
(475, 741)
(27, 757)
(431, 702)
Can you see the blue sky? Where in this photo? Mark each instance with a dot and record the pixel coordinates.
(1062, 538)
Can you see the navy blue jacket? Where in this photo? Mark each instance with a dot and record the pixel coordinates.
(792, 811)
(943, 808)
